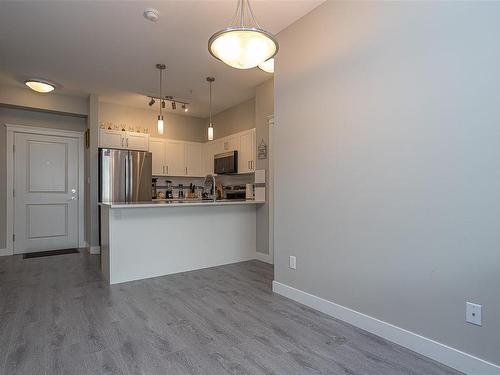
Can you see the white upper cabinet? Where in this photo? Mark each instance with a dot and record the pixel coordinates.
(194, 159)
(176, 158)
(137, 141)
(124, 140)
(246, 154)
(157, 147)
(111, 138)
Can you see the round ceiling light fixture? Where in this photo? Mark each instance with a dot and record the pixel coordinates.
(151, 14)
(267, 66)
(39, 85)
(244, 44)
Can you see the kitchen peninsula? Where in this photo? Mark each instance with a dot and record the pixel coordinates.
(149, 239)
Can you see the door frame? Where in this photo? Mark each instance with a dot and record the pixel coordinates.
(11, 131)
(270, 193)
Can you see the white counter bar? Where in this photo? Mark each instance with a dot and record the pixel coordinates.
(143, 240)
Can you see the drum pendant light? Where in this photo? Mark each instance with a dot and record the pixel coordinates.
(244, 44)
(210, 126)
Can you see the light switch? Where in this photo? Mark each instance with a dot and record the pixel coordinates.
(293, 262)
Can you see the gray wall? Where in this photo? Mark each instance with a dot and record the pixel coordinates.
(28, 118)
(233, 120)
(264, 107)
(186, 128)
(400, 136)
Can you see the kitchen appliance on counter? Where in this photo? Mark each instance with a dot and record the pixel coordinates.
(226, 163)
(124, 175)
(154, 190)
(168, 192)
(235, 192)
(181, 191)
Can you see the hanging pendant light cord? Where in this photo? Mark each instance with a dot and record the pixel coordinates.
(239, 15)
(161, 74)
(210, 82)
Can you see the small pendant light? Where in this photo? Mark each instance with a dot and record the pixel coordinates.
(210, 126)
(161, 68)
(244, 44)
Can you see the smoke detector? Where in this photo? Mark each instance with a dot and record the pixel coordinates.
(152, 14)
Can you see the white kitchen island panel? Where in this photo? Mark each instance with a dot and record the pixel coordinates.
(143, 242)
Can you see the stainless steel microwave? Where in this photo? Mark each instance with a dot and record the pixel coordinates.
(226, 163)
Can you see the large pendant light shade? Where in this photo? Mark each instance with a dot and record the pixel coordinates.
(244, 44)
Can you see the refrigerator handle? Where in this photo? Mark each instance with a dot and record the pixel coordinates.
(127, 178)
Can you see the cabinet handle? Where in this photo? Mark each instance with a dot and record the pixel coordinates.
(186, 171)
(167, 169)
(163, 169)
(248, 163)
(127, 142)
(122, 142)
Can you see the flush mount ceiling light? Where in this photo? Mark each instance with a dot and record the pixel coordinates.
(267, 66)
(40, 85)
(210, 126)
(244, 44)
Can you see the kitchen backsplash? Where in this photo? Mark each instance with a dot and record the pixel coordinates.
(199, 181)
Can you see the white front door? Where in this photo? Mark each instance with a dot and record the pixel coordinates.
(45, 193)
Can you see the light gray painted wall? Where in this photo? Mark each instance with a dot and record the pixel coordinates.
(55, 102)
(186, 128)
(27, 118)
(264, 107)
(400, 135)
(233, 120)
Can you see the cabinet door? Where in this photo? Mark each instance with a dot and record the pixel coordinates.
(111, 138)
(194, 166)
(157, 149)
(231, 143)
(137, 141)
(176, 158)
(246, 154)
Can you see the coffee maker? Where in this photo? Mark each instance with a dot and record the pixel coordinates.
(154, 191)
(168, 192)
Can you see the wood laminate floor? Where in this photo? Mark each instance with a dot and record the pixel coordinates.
(58, 316)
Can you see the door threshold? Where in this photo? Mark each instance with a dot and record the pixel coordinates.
(49, 253)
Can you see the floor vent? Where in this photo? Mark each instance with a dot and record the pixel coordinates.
(49, 253)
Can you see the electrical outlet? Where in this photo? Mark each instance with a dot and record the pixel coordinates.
(293, 262)
(473, 313)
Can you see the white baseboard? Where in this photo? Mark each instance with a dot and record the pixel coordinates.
(95, 250)
(5, 252)
(439, 352)
(263, 257)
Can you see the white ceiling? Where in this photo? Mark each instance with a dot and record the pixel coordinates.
(110, 49)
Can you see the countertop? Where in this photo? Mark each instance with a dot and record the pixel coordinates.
(180, 203)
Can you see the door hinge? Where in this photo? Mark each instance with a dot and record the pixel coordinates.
(13, 238)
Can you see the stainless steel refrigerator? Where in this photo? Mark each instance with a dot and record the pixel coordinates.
(124, 176)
